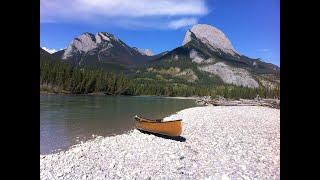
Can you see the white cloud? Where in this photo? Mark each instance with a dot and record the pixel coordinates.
(49, 50)
(111, 11)
(176, 24)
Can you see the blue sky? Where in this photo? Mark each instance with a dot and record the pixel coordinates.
(252, 26)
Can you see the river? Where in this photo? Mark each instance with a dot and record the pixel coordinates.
(67, 120)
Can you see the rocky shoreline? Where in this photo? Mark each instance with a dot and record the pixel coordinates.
(218, 142)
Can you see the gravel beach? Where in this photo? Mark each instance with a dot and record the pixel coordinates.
(232, 142)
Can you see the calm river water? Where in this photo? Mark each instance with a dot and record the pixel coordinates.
(67, 120)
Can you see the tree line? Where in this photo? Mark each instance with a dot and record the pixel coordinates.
(60, 77)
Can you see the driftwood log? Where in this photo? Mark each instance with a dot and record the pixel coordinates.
(273, 103)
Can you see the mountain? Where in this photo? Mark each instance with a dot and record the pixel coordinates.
(44, 55)
(205, 58)
(211, 37)
(207, 50)
(103, 50)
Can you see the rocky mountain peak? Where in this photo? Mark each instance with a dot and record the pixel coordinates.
(100, 37)
(103, 47)
(210, 36)
(87, 42)
(104, 36)
(145, 52)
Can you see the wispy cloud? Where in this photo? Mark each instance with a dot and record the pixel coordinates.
(49, 50)
(111, 11)
(176, 24)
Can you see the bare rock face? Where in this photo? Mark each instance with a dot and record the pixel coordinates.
(102, 37)
(87, 42)
(231, 75)
(197, 58)
(210, 36)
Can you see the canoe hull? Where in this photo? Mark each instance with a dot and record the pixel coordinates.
(170, 128)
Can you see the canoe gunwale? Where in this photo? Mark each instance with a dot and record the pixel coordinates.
(159, 121)
(138, 118)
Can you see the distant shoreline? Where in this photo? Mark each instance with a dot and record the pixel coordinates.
(102, 94)
(170, 97)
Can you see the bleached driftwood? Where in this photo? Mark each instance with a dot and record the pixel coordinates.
(273, 103)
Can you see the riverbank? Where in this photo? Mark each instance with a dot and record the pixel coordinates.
(219, 142)
(103, 94)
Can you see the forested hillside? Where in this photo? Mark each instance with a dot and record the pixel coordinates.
(59, 77)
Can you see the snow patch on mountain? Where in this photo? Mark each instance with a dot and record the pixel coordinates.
(51, 51)
(145, 52)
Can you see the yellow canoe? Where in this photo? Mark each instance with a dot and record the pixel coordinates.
(169, 128)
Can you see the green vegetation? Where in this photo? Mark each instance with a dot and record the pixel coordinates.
(59, 77)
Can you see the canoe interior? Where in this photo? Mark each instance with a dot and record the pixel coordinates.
(138, 118)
